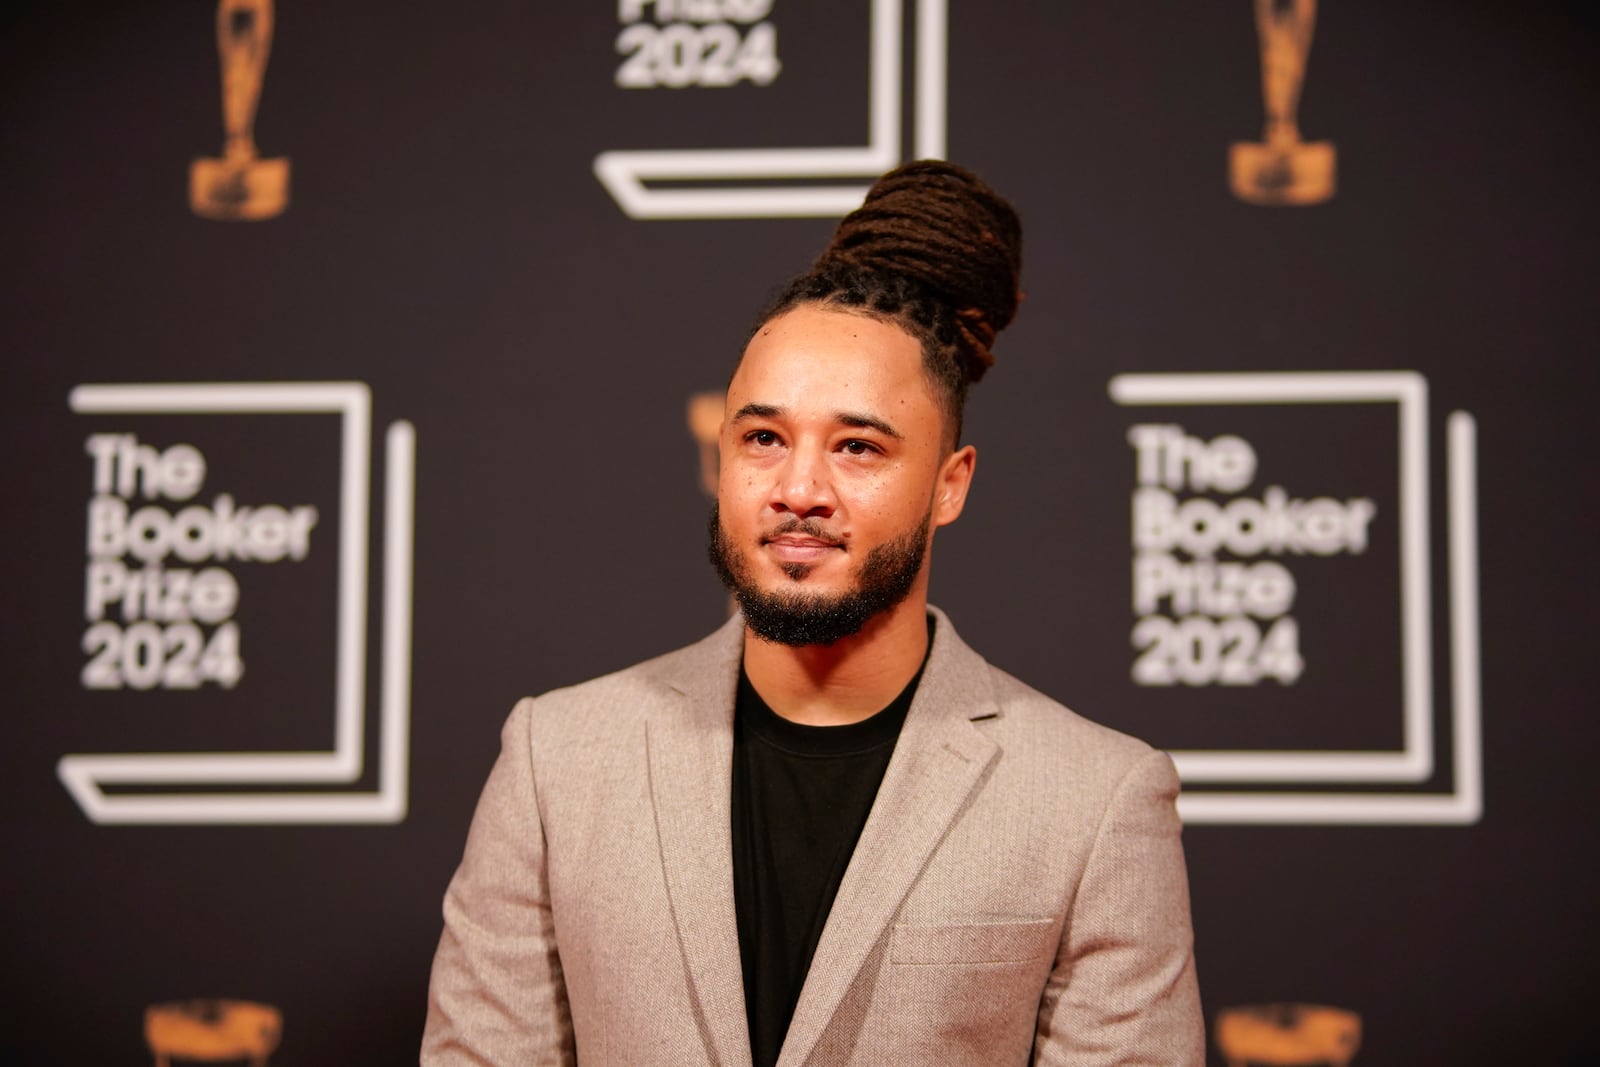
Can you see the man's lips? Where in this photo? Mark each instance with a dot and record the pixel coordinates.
(799, 548)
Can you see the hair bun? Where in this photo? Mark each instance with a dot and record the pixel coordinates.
(941, 227)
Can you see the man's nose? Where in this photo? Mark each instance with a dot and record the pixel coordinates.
(803, 485)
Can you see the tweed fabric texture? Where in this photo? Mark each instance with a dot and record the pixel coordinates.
(1018, 894)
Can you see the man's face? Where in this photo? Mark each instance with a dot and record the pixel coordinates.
(833, 473)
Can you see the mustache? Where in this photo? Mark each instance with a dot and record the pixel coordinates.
(805, 528)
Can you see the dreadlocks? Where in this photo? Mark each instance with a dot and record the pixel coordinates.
(935, 251)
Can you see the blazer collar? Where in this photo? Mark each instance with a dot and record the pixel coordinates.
(938, 761)
(690, 745)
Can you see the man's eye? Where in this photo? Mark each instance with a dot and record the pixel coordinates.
(858, 448)
(764, 438)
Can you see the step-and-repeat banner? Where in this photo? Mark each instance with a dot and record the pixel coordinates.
(361, 365)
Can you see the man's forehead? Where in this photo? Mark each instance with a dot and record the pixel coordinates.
(817, 349)
(820, 327)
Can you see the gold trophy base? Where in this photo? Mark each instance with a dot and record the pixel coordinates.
(239, 189)
(1296, 173)
(1288, 1035)
(213, 1030)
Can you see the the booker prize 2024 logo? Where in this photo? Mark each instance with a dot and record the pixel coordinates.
(1205, 620)
(711, 44)
(153, 624)
(176, 544)
(721, 44)
(1286, 636)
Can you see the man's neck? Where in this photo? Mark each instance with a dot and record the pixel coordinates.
(847, 681)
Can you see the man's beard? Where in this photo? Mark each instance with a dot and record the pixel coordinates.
(794, 617)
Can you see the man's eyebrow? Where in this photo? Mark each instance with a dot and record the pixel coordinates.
(851, 418)
(758, 411)
(846, 418)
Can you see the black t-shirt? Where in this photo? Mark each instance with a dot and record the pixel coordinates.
(801, 795)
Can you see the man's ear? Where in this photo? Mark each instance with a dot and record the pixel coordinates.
(955, 479)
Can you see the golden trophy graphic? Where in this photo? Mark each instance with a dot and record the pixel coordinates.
(1288, 1035)
(705, 424)
(1282, 169)
(241, 185)
(212, 1031)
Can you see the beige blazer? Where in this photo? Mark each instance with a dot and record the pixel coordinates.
(1018, 893)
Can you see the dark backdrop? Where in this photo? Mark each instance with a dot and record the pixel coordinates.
(447, 244)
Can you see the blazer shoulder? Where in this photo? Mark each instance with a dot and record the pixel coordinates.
(598, 705)
(1028, 725)
(1055, 731)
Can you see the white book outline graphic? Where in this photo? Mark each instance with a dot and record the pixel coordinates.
(1414, 762)
(86, 775)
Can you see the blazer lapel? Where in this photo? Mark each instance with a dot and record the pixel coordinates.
(690, 743)
(937, 763)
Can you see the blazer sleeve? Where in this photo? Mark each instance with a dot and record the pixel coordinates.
(1123, 988)
(497, 995)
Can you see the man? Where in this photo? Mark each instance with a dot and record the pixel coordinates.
(830, 833)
